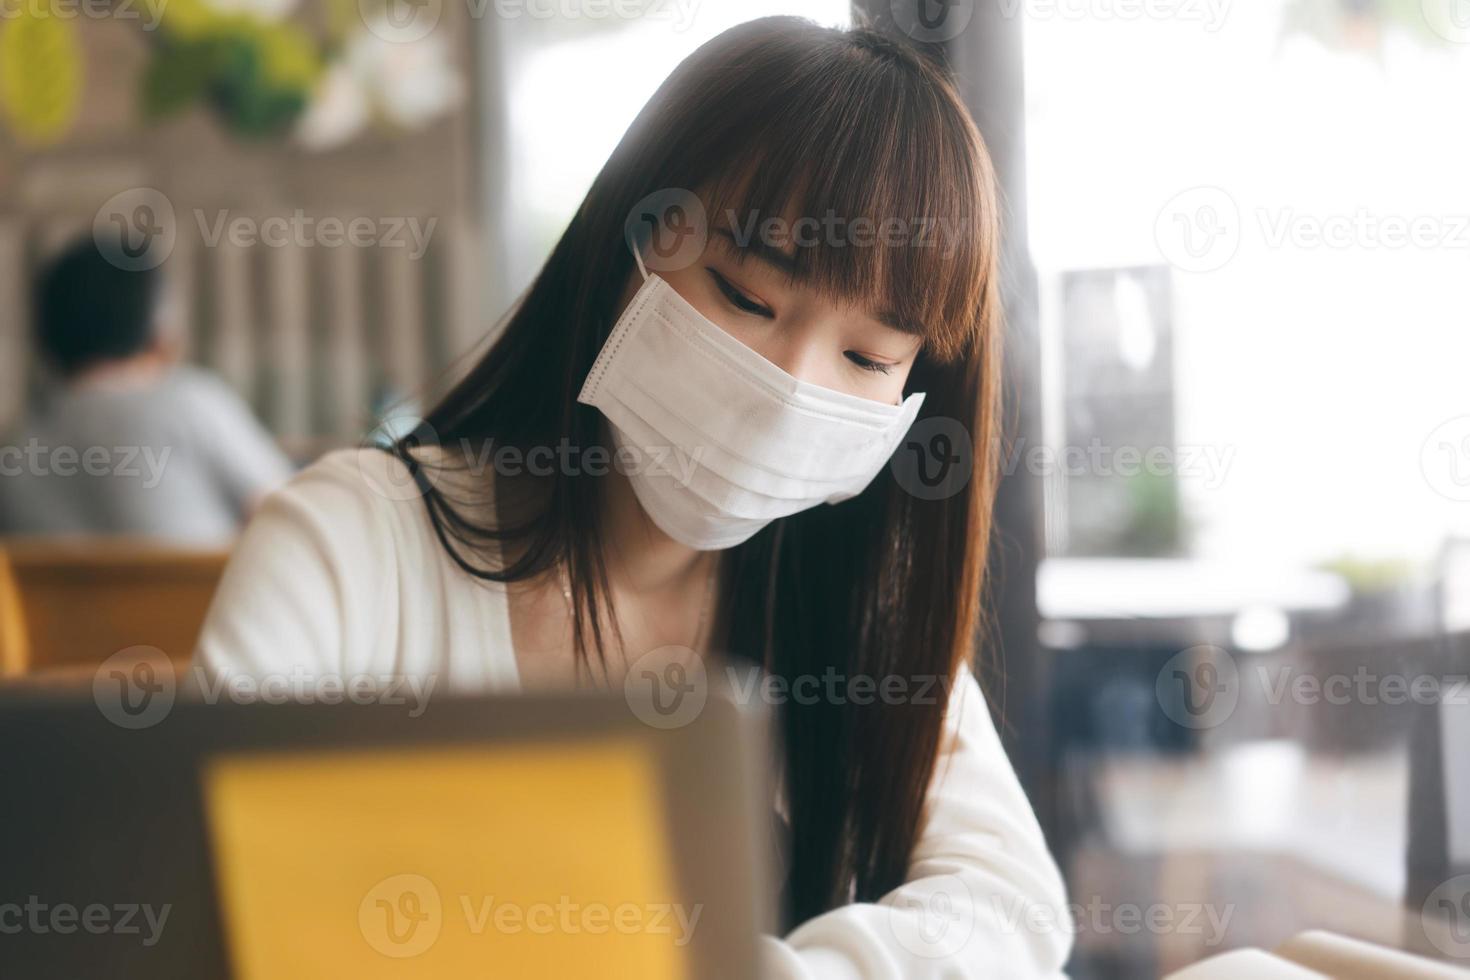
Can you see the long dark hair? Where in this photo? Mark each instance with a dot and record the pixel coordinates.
(777, 117)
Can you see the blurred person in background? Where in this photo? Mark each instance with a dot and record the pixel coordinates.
(126, 440)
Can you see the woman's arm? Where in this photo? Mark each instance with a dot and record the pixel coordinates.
(983, 897)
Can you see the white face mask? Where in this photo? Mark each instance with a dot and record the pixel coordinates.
(722, 441)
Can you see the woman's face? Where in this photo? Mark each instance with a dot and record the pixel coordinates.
(789, 324)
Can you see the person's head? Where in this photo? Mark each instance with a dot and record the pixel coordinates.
(91, 309)
(852, 241)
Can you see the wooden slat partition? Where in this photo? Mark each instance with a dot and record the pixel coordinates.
(233, 342)
(15, 309)
(184, 307)
(305, 332)
(462, 280)
(287, 360)
(56, 233)
(345, 346)
(403, 327)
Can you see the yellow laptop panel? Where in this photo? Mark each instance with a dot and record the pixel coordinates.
(542, 860)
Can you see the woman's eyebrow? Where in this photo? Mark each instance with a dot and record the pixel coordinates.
(764, 251)
(891, 319)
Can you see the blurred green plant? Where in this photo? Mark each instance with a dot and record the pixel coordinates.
(1368, 575)
(266, 76)
(41, 73)
(257, 74)
(1155, 525)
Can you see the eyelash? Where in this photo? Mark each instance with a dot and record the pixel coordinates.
(867, 364)
(738, 299)
(745, 304)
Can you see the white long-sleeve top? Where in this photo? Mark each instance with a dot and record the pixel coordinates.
(340, 574)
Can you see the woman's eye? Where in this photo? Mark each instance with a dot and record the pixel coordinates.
(866, 363)
(738, 299)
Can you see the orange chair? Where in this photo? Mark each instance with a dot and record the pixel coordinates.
(74, 602)
(15, 651)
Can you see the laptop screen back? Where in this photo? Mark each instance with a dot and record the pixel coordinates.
(541, 859)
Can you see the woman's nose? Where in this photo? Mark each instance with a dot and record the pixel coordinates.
(797, 353)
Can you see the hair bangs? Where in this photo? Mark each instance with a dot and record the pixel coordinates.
(873, 185)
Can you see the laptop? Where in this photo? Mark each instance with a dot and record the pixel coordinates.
(528, 836)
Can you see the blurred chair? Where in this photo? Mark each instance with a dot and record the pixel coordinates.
(14, 646)
(74, 602)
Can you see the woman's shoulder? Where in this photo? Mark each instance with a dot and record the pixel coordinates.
(367, 470)
(324, 572)
(380, 476)
(369, 502)
(341, 572)
(358, 511)
(345, 487)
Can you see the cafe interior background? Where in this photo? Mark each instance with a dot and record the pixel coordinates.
(1238, 453)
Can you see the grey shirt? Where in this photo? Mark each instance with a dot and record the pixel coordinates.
(180, 459)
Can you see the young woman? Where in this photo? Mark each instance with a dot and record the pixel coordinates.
(813, 228)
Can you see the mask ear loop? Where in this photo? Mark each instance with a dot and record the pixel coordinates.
(638, 257)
